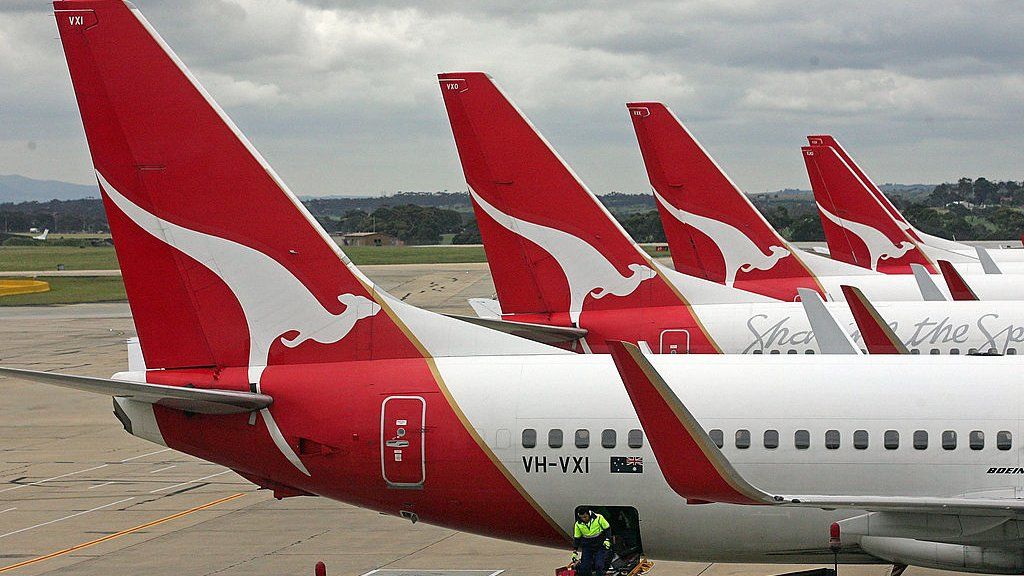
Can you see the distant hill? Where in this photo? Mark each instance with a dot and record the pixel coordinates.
(14, 188)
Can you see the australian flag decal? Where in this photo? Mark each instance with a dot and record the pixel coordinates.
(627, 465)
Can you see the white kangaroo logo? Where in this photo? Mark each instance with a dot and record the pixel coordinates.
(739, 252)
(273, 300)
(879, 245)
(586, 269)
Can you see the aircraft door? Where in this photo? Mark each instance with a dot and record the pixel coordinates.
(402, 455)
(674, 341)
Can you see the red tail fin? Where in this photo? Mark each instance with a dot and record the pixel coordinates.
(858, 229)
(222, 264)
(958, 287)
(550, 244)
(890, 208)
(713, 229)
(877, 336)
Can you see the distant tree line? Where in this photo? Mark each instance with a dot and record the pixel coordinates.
(84, 215)
(965, 210)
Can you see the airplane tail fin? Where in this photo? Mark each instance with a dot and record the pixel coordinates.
(890, 208)
(550, 243)
(222, 264)
(713, 229)
(857, 227)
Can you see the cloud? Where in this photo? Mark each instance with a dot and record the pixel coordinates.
(341, 96)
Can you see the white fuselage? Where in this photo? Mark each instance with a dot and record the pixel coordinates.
(877, 286)
(925, 327)
(502, 396)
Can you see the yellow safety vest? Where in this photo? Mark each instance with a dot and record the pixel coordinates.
(591, 529)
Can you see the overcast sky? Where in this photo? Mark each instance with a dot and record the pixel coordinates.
(341, 97)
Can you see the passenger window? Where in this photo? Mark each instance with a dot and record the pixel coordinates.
(802, 439)
(954, 350)
(949, 440)
(809, 351)
(920, 439)
(860, 439)
(1011, 351)
(972, 350)
(976, 439)
(758, 351)
(743, 439)
(775, 351)
(832, 439)
(635, 438)
(934, 351)
(582, 438)
(891, 439)
(1004, 441)
(993, 351)
(791, 351)
(608, 438)
(915, 351)
(554, 438)
(529, 438)
(771, 439)
(717, 437)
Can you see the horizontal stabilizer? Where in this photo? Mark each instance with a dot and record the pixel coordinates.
(697, 470)
(958, 287)
(830, 336)
(542, 333)
(486, 307)
(198, 400)
(876, 334)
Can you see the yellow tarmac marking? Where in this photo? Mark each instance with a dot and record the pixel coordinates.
(12, 287)
(122, 533)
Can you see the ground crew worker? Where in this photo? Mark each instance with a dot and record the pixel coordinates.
(591, 537)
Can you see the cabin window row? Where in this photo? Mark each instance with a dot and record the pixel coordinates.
(581, 438)
(861, 439)
(932, 351)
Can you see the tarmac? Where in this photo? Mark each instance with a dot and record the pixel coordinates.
(80, 496)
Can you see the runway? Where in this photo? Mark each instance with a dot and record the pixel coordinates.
(80, 496)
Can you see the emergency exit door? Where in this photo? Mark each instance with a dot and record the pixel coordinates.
(674, 341)
(402, 456)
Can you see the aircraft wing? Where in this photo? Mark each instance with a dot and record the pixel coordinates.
(699, 472)
(198, 400)
(929, 291)
(958, 287)
(877, 335)
(537, 332)
(831, 337)
(987, 263)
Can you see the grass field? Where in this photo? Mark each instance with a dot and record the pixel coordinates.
(48, 257)
(415, 254)
(43, 258)
(76, 290)
(72, 290)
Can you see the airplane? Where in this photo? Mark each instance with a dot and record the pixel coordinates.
(954, 527)
(715, 232)
(263, 349)
(554, 251)
(42, 236)
(864, 228)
